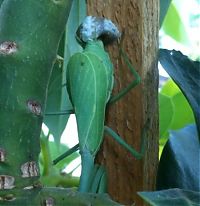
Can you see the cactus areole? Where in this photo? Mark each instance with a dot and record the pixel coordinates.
(30, 32)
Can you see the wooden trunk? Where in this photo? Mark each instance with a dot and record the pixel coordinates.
(139, 21)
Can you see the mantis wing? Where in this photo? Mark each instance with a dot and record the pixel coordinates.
(89, 82)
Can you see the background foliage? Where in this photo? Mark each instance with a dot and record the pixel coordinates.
(179, 111)
(178, 108)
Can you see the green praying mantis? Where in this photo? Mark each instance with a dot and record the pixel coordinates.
(89, 84)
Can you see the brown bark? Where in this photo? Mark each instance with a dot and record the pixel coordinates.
(139, 21)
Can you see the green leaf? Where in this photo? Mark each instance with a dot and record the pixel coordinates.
(58, 99)
(49, 152)
(176, 197)
(77, 14)
(166, 111)
(179, 164)
(175, 111)
(60, 180)
(185, 73)
(52, 175)
(164, 5)
(174, 26)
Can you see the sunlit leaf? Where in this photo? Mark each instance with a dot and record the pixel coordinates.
(166, 111)
(183, 114)
(164, 5)
(170, 88)
(174, 26)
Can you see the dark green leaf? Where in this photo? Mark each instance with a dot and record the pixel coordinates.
(186, 74)
(173, 197)
(1, 1)
(179, 164)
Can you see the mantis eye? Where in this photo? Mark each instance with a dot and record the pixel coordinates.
(97, 28)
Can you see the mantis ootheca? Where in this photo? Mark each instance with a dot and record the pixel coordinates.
(89, 84)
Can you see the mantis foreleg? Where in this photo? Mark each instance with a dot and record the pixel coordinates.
(115, 136)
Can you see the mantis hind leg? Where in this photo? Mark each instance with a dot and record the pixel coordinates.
(136, 154)
(88, 157)
(93, 177)
(99, 181)
(133, 84)
(66, 154)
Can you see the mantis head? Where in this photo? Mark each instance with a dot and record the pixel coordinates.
(97, 28)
